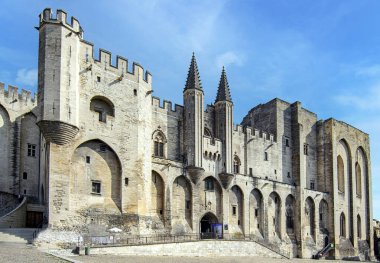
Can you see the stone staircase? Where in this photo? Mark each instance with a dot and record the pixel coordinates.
(16, 235)
(197, 249)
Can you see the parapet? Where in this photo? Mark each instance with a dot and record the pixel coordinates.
(121, 67)
(61, 18)
(167, 106)
(12, 95)
(252, 133)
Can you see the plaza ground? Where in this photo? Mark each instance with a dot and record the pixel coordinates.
(17, 253)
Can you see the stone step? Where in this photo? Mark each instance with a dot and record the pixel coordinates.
(200, 248)
(16, 235)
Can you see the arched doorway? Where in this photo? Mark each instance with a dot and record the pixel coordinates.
(209, 227)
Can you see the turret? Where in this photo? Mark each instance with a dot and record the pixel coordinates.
(193, 121)
(224, 121)
(58, 76)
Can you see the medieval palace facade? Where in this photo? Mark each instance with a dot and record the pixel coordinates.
(95, 150)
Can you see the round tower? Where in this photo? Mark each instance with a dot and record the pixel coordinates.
(58, 72)
(224, 121)
(193, 121)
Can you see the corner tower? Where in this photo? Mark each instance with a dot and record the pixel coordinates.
(224, 121)
(58, 75)
(193, 120)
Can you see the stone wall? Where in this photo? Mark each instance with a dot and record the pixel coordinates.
(15, 218)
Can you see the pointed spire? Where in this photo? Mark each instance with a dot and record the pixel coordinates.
(193, 80)
(223, 89)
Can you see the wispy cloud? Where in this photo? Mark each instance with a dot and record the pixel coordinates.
(27, 77)
(370, 71)
(228, 58)
(367, 100)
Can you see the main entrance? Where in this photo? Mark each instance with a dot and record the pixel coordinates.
(209, 227)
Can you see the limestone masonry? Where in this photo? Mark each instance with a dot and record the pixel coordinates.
(95, 150)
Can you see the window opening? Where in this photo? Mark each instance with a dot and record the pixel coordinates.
(96, 187)
(31, 150)
(234, 210)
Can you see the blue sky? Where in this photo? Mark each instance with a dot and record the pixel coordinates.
(323, 53)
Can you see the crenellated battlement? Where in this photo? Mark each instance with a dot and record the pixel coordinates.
(121, 67)
(166, 106)
(12, 95)
(60, 18)
(252, 133)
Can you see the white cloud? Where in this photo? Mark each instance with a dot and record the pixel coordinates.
(371, 71)
(229, 58)
(27, 77)
(367, 100)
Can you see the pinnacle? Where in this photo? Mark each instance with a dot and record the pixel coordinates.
(193, 80)
(223, 89)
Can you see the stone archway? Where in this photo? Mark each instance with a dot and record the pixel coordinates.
(256, 212)
(181, 206)
(209, 226)
(95, 178)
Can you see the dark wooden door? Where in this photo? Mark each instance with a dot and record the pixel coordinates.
(34, 219)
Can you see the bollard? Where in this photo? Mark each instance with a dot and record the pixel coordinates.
(87, 251)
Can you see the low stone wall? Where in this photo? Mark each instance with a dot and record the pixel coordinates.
(15, 218)
(191, 249)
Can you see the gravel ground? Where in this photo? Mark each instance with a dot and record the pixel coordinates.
(22, 253)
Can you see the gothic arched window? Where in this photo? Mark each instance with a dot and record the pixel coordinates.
(236, 165)
(207, 132)
(159, 144)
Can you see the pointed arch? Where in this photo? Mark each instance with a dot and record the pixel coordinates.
(5, 125)
(159, 143)
(236, 198)
(182, 205)
(157, 196)
(207, 132)
(96, 170)
(310, 215)
(274, 215)
(323, 214)
(237, 164)
(362, 159)
(290, 213)
(344, 166)
(256, 211)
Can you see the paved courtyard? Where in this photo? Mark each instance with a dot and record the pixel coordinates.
(20, 253)
(161, 259)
